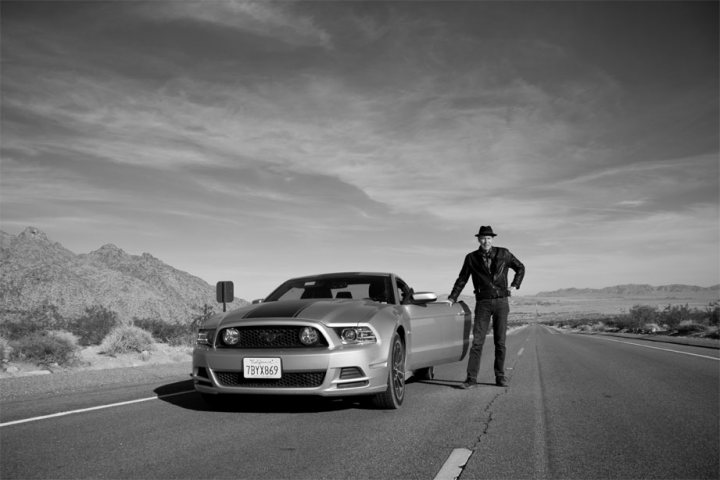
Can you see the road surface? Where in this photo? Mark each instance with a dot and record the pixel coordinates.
(578, 406)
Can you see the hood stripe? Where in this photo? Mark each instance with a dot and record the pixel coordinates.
(286, 309)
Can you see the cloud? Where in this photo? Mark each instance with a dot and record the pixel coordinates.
(272, 20)
(376, 128)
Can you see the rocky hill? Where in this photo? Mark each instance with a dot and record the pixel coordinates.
(35, 270)
(637, 291)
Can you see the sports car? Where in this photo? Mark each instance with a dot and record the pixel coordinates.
(335, 334)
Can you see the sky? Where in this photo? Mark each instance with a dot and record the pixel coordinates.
(259, 141)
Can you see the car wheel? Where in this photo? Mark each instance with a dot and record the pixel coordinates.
(393, 397)
(427, 373)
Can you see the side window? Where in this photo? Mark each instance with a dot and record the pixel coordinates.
(403, 291)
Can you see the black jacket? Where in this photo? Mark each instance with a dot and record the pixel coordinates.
(489, 284)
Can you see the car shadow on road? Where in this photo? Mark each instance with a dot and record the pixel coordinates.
(448, 383)
(182, 394)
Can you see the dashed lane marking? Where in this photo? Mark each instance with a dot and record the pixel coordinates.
(521, 351)
(90, 409)
(453, 466)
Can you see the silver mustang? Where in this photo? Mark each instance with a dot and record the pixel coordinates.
(337, 334)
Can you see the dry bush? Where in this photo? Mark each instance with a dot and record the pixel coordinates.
(5, 350)
(687, 327)
(94, 325)
(175, 334)
(126, 339)
(46, 348)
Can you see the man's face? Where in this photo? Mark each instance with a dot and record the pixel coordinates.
(485, 242)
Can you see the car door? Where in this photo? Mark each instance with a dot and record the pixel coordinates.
(436, 331)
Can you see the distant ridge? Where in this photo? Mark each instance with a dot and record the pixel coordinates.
(635, 290)
(36, 271)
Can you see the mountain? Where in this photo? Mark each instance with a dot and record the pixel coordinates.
(635, 290)
(35, 270)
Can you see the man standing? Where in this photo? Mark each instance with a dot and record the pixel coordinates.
(488, 267)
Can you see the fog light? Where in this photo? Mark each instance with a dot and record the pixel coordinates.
(309, 336)
(231, 336)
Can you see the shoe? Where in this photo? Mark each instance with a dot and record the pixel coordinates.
(501, 382)
(467, 384)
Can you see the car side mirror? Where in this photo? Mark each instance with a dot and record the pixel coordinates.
(424, 297)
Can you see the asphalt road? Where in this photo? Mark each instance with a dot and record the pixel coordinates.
(578, 406)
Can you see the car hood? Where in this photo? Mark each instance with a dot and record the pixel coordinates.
(326, 311)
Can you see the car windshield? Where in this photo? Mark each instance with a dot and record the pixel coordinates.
(368, 287)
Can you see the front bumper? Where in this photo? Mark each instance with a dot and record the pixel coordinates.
(345, 371)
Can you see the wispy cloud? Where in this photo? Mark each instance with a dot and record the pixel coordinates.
(272, 20)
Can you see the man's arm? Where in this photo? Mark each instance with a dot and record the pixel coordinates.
(460, 282)
(519, 269)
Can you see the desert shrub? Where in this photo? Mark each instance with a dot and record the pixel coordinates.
(650, 328)
(569, 323)
(171, 333)
(713, 313)
(16, 329)
(125, 339)
(599, 326)
(5, 350)
(65, 336)
(619, 323)
(202, 315)
(94, 325)
(712, 332)
(45, 348)
(688, 327)
(42, 318)
(640, 315)
(674, 315)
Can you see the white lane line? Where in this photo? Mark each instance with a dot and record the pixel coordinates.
(453, 466)
(658, 348)
(521, 351)
(90, 409)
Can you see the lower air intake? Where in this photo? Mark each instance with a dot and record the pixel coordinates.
(310, 379)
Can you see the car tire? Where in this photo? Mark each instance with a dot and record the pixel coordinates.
(393, 397)
(427, 373)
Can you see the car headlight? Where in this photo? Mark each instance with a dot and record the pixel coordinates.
(231, 336)
(205, 337)
(357, 335)
(309, 336)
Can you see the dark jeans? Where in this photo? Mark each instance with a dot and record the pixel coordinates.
(497, 309)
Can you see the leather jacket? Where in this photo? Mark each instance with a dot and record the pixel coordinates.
(489, 283)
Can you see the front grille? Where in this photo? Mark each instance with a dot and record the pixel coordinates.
(309, 379)
(271, 337)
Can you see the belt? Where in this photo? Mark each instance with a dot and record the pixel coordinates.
(483, 297)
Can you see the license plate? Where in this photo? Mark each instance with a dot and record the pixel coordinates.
(262, 368)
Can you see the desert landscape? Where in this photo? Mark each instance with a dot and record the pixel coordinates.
(108, 309)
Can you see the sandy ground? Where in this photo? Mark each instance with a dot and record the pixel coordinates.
(91, 358)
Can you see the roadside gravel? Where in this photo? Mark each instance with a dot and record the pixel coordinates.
(95, 370)
(40, 386)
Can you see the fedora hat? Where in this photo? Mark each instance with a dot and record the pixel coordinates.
(486, 231)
